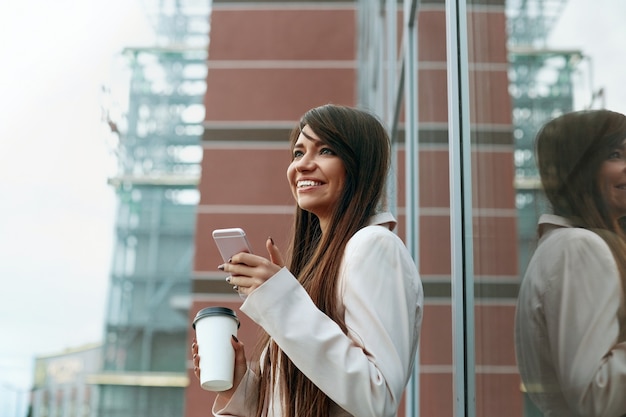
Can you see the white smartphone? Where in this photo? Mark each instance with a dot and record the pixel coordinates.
(231, 241)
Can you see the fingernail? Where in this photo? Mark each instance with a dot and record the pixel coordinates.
(221, 267)
(235, 338)
(236, 288)
(195, 355)
(228, 279)
(271, 240)
(230, 259)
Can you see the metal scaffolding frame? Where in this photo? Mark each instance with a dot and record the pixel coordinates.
(159, 154)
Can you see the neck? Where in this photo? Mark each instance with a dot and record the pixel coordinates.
(323, 225)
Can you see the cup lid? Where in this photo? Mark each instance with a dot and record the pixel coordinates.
(215, 311)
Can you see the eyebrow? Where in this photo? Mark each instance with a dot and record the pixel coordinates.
(621, 145)
(316, 142)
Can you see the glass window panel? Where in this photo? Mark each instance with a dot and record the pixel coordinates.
(495, 161)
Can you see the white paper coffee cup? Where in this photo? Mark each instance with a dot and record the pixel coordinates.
(215, 327)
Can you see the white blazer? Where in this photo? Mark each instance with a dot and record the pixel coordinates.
(570, 349)
(364, 372)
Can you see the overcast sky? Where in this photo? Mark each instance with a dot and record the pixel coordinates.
(597, 29)
(56, 209)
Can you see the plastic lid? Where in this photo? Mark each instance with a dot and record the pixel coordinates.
(215, 311)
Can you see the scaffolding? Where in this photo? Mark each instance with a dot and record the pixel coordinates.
(158, 153)
(541, 85)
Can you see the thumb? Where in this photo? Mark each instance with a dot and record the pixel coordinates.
(240, 358)
(275, 256)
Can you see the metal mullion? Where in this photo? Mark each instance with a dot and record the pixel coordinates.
(411, 140)
(461, 233)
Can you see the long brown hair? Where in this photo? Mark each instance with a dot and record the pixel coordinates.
(362, 144)
(570, 150)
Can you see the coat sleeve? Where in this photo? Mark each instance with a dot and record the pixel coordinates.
(583, 327)
(244, 400)
(365, 371)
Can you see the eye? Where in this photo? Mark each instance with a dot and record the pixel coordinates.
(615, 154)
(327, 151)
(297, 154)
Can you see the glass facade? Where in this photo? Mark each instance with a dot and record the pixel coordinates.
(502, 82)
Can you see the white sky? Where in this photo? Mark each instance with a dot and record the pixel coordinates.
(597, 29)
(56, 209)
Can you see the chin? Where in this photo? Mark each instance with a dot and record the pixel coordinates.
(308, 208)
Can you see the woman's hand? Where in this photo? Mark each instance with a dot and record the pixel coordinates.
(248, 271)
(241, 364)
(195, 358)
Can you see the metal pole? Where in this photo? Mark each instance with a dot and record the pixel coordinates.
(411, 140)
(461, 234)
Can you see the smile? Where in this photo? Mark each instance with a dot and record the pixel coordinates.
(307, 183)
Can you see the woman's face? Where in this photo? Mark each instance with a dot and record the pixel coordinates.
(612, 181)
(316, 175)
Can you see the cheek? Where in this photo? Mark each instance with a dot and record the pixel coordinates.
(342, 178)
(291, 172)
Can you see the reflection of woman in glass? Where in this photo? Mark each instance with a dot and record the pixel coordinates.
(571, 317)
(342, 320)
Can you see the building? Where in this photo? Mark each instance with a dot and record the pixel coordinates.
(61, 385)
(268, 62)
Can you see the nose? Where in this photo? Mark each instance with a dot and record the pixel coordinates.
(305, 163)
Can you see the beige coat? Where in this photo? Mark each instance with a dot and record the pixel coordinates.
(364, 372)
(570, 352)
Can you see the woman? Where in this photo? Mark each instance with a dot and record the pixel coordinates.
(570, 321)
(342, 321)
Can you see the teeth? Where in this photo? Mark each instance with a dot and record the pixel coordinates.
(308, 183)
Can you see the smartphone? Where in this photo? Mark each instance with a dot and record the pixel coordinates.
(231, 241)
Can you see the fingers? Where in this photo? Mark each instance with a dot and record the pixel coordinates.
(195, 358)
(248, 271)
(241, 365)
(275, 255)
(245, 259)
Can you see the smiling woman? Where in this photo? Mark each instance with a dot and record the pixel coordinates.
(570, 342)
(316, 175)
(348, 277)
(612, 181)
